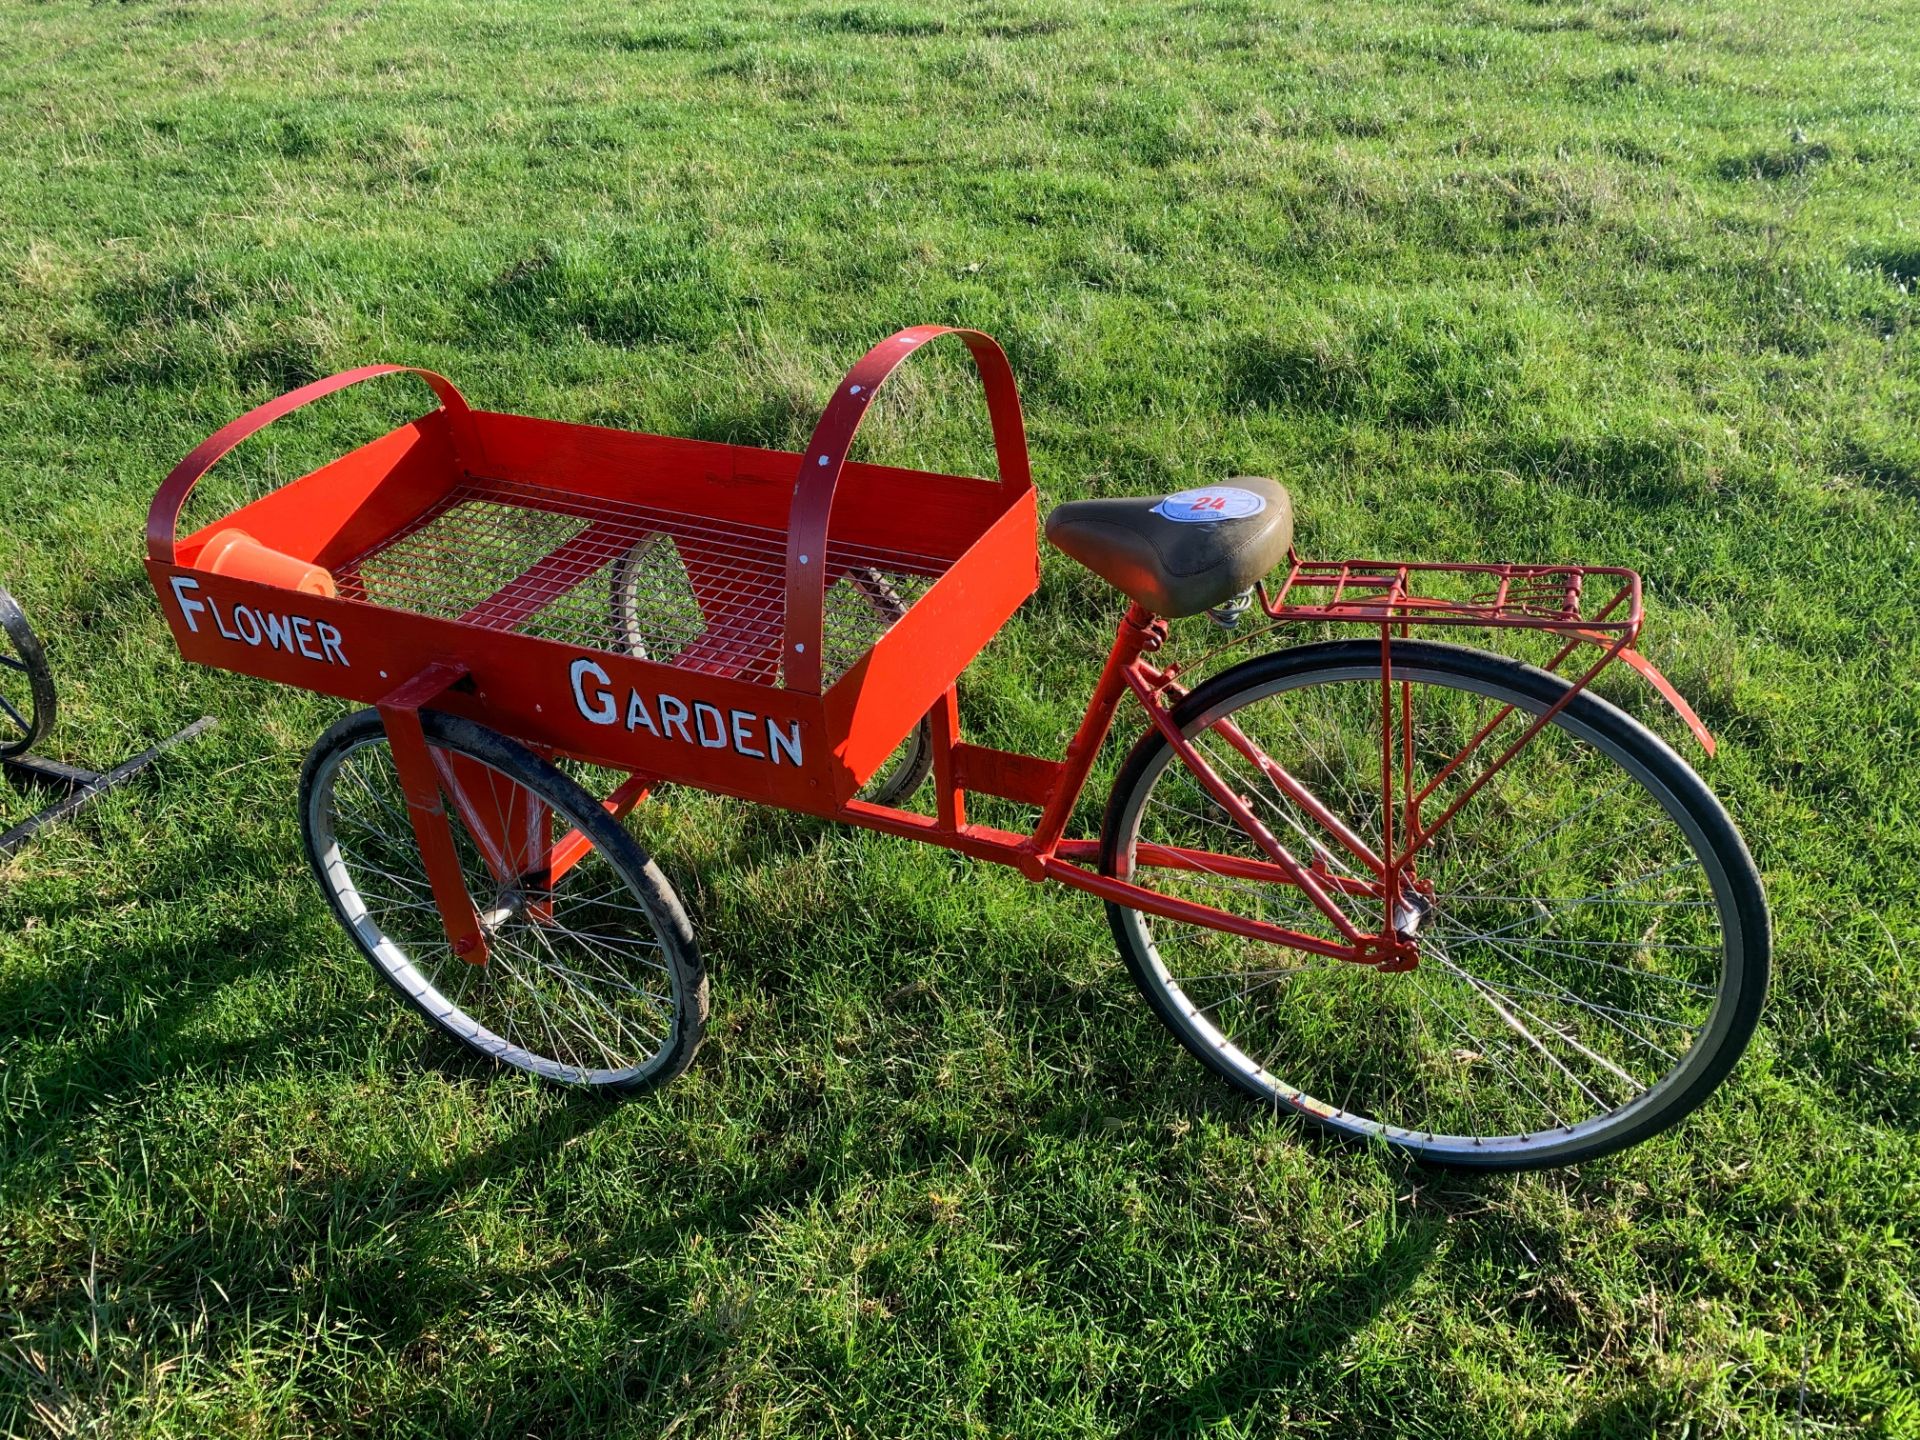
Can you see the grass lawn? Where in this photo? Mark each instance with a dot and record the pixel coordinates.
(1621, 282)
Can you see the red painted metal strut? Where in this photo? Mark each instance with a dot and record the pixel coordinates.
(420, 783)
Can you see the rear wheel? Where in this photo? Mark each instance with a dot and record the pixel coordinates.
(1593, 937)
(26, 683)
(592, 980)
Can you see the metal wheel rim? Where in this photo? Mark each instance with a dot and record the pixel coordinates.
(415, 980)
(1441, 1146)
(22, 655)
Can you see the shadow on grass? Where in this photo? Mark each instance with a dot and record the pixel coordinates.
(168, 984)
(1321, 1325)
(1637, 1413)
(143, 1015)
(410, 1273)
(402, 1266)
(91, 1034)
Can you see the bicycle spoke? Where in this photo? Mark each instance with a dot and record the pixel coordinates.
(1570, 950)
(1493, 999)
(1567, 995)
(572, 981)
(1488, 1052)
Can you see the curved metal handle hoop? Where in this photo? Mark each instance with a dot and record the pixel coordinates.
(826, 456)
(164, 514)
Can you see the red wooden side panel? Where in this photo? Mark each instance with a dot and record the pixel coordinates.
(755, 741)
(878, 506)
(877, 702)
(350, 504)
(624, 466)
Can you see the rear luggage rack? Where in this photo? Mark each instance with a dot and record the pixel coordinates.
(1554, 598)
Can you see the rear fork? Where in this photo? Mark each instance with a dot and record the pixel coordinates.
(1405, 899)
(1382, 596)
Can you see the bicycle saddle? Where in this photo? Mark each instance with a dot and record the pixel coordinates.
(1180, 554)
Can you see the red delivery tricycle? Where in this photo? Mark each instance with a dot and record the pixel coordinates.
(1412, 891)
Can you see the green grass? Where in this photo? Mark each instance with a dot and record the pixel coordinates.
(1627, 282)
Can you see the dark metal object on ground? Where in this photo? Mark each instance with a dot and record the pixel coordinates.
(81, 786)
(25, 718)
(26, 684)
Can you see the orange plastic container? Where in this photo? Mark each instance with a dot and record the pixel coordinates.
(234, 552)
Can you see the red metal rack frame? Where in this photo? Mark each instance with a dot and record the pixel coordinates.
(1374, 593)
(1554, 599)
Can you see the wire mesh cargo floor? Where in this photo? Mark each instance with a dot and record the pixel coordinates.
(632, 579)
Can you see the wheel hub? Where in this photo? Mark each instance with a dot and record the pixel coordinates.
(507, 904)
(1410, 912)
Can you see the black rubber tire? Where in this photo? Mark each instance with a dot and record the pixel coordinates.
(28, 659)
(621, 851)
(1537, 690)
(910, 765)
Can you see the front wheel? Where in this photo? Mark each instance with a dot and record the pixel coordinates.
(1592, 937)
(591, 980)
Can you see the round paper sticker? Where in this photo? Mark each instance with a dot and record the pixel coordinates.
(1216, 502)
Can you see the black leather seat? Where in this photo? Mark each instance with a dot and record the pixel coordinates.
(1180, 554)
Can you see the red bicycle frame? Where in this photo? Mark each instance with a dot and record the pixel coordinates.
(522, 851)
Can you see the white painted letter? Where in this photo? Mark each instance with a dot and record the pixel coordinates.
(743, 734)
(703, 712)
(790, 742)
(303, 633)
(637, 716)
(673, 716)
(601, 712)
(181, 585)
